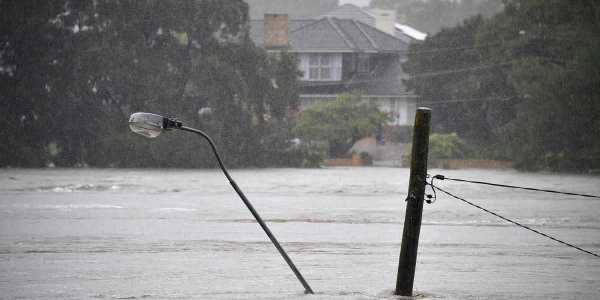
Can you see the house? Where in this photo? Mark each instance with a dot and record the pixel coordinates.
(341, 55)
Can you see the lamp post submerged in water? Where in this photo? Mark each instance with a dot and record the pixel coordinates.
(152, 125)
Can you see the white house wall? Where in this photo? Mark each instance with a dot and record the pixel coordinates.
(401, 109)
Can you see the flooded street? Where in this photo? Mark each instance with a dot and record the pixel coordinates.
(185, 234)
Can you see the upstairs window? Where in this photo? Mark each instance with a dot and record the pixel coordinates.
(319, 67)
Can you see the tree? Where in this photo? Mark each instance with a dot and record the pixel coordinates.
(340, 123)
(72, 71)
(471, 93)
(27, 52)
(522, 85)
(556, 70)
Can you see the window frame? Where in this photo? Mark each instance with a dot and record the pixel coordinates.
(320, 64)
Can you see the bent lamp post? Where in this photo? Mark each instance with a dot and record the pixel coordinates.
(152, 125)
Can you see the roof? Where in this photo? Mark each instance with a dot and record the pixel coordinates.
(343, 35)
(333, 35)
(257, 29)
(348, 28)
(371, 17)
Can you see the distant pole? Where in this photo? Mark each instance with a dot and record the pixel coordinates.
(414, 203)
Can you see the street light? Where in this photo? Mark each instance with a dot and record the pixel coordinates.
(152, 125)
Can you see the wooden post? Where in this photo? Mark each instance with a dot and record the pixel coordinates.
(414, 203)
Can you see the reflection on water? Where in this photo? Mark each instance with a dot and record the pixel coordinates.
(155, 234)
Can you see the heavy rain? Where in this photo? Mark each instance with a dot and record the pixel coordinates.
(299, 149)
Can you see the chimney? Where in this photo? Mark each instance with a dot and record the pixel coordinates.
(385, 20)
(276, 31)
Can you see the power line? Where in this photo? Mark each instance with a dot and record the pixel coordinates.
(448, 49)
(511, 221)
(442, 177)
(460, 70)
(416, 75)
(488, 45)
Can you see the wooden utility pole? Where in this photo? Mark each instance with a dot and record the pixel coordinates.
(414, 203)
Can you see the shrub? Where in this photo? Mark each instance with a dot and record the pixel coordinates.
(446, 146)
(401, 134)
(366, 158)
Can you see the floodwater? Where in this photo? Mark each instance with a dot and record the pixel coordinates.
(184, 234)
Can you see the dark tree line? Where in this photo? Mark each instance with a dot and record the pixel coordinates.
(71, 72)
(523, 85)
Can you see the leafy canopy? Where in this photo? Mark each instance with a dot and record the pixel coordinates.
(522, 85)
(340, 123)
(71, 72)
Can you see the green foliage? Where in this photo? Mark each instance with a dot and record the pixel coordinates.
(307, 155)
(445, 78)
(527, 83)
(446, 146)
(340, 123)
(401, 134)
(71, 72)
(557, 72)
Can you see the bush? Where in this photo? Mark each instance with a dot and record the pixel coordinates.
(401, 134)
(366, 158)
(446, 146)
(339, 123)
(307, 155)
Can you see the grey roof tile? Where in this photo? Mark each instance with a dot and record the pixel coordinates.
(385, 41)
(322, 35)
(333, 34)
(257, 28)
(351, 29)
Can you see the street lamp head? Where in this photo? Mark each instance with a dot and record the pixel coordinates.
(151, 125)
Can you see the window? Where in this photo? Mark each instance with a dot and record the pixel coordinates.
(320, 66)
